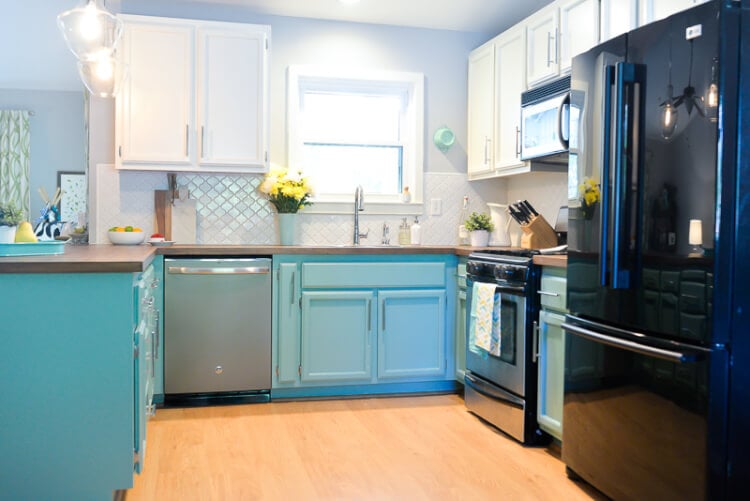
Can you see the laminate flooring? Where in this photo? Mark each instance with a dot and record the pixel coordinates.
(402, 448)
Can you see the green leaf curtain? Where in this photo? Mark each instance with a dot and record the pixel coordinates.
(15, 139)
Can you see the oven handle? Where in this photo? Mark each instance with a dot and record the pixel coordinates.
(492, 391)
(642, 349)
(508, 289)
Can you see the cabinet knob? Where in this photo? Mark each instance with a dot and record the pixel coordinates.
(219, 369)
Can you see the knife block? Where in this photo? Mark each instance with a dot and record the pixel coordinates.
(538, 234)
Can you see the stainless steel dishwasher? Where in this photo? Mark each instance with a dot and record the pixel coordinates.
(217, 330)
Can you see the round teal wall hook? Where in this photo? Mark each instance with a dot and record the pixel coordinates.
(444, 138)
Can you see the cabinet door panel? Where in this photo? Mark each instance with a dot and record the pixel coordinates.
(411, 333)
(155, 108)
(542, 35)
(231, 113)
(287, 325)
(579, 29)
(617, 17)
(336, 335)
(510, 66)
(551, 372)
(480, 120)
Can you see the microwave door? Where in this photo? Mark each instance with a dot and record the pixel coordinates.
(543, 124)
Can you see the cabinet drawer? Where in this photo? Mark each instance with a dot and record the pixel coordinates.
(347, 275)
(670, 281)
(693, 297)
(651, 278)
(552, 292)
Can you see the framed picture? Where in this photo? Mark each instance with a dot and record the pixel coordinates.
(73, 200)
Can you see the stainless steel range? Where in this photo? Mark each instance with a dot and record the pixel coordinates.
(501, 388)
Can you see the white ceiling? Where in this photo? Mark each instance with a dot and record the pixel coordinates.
(482, 16)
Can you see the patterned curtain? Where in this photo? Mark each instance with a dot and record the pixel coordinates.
(15, 138)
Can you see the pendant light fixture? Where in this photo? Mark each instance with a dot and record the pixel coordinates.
(669, 110)
(92, 33)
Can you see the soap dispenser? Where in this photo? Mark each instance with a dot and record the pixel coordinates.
(416, 232)
(404, 233)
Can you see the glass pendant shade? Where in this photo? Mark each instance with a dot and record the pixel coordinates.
(103, 77)
(90, 32)
(668, 120)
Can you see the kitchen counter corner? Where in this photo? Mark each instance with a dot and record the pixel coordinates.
(84, 259)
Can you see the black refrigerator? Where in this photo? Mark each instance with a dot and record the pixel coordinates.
(653, 191)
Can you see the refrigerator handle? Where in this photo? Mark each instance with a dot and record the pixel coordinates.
(626, 114)
(609, 80)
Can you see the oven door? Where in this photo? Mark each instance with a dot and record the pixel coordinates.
(508, 370)
(544, 127)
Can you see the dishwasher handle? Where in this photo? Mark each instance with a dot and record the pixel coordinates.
(245, 270)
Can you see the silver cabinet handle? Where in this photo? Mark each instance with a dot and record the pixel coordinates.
(187, 140)
(557, 45)
(545, 293)
(549, 39)
(202, 140)
(487, 142)
(383, 328)
(157, 334)
(535, 354)
(294, 292)
(250, 270)
(369, 315)
(518, 141)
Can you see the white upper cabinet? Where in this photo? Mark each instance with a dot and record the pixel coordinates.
(542, 30)
(653, 10)
(618, 17)
(510, 82)
(197, 96)
(579, 29)
(481, 99)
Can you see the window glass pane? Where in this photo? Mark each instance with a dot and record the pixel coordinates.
(338, 169)
(351, 118)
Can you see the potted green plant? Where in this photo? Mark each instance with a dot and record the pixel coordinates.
(10, 217)
(479, 225)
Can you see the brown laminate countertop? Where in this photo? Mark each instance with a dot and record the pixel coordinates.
(556, 260)
(105, 258)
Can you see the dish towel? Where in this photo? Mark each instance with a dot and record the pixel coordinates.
(482, 311)
(496, 346)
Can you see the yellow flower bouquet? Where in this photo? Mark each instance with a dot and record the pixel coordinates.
(590, 195)
(287, 191)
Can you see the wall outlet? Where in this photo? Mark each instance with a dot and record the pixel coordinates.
(436, 206)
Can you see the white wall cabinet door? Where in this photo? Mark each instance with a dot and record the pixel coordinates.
(617, 17)
(510, 66)
(653, 10)
(232, 96)
(481, 100)
(579, 29)
(155, 110)
(542, 34)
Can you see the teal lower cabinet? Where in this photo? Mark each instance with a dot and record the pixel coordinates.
(551, 351)
(358, 325)
(337, 335)
(411, 333)
(77, 371)
(460, 323)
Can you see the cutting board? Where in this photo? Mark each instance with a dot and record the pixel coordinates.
(176, 221)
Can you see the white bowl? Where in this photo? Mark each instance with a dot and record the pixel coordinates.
(126, 237)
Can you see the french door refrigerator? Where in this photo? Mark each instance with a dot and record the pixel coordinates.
(652, 175)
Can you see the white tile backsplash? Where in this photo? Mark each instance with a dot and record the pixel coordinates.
(231, 211)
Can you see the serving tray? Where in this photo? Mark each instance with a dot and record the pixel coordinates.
(46, 248)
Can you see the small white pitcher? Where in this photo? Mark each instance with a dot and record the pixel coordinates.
(500, 237)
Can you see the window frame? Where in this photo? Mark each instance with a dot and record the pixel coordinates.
(410, 84)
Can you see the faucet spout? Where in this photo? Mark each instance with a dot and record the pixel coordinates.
(359, 205)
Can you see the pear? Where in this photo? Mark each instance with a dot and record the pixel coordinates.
(25, 233)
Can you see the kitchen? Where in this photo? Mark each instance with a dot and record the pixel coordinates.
(547, 191)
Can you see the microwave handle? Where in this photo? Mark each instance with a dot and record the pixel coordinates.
(564, 104)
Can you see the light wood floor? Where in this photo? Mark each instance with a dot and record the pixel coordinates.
(406, 448)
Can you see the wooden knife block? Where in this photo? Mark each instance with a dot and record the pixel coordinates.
(538, 234)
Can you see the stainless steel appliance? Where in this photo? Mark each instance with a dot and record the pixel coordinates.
(545, 122)
(502, 389)
(650, 331)
(217, 330)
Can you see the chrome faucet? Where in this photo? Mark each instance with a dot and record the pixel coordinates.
(386, 235)
(359, 205)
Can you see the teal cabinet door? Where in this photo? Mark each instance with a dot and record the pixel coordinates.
(158, 340)
(337, 329)
(551, 372)
(411, 333)
(288, 326)
(460, 340)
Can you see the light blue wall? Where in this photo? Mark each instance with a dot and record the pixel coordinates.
(440, 55)
(57, 135)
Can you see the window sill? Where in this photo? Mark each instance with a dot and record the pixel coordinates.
(371, 208)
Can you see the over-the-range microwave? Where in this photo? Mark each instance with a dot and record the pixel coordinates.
(545, 127)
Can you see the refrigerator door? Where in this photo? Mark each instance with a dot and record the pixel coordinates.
(642, 181)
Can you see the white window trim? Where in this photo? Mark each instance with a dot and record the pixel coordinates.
(414, 172)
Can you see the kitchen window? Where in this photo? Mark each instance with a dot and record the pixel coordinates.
(357, 128)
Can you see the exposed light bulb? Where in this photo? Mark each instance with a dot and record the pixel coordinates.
(105, 69)
(712, 100)
(90, 27)
(668, 120)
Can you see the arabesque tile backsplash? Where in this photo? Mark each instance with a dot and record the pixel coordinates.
(231, 211)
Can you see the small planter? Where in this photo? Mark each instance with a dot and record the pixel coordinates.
(479, 238)
(7, 234)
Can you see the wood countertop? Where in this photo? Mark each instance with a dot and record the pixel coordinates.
(107, 258)
(556, 260)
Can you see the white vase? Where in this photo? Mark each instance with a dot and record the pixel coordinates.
(287, 229)
(479, 238)
(7, 234)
